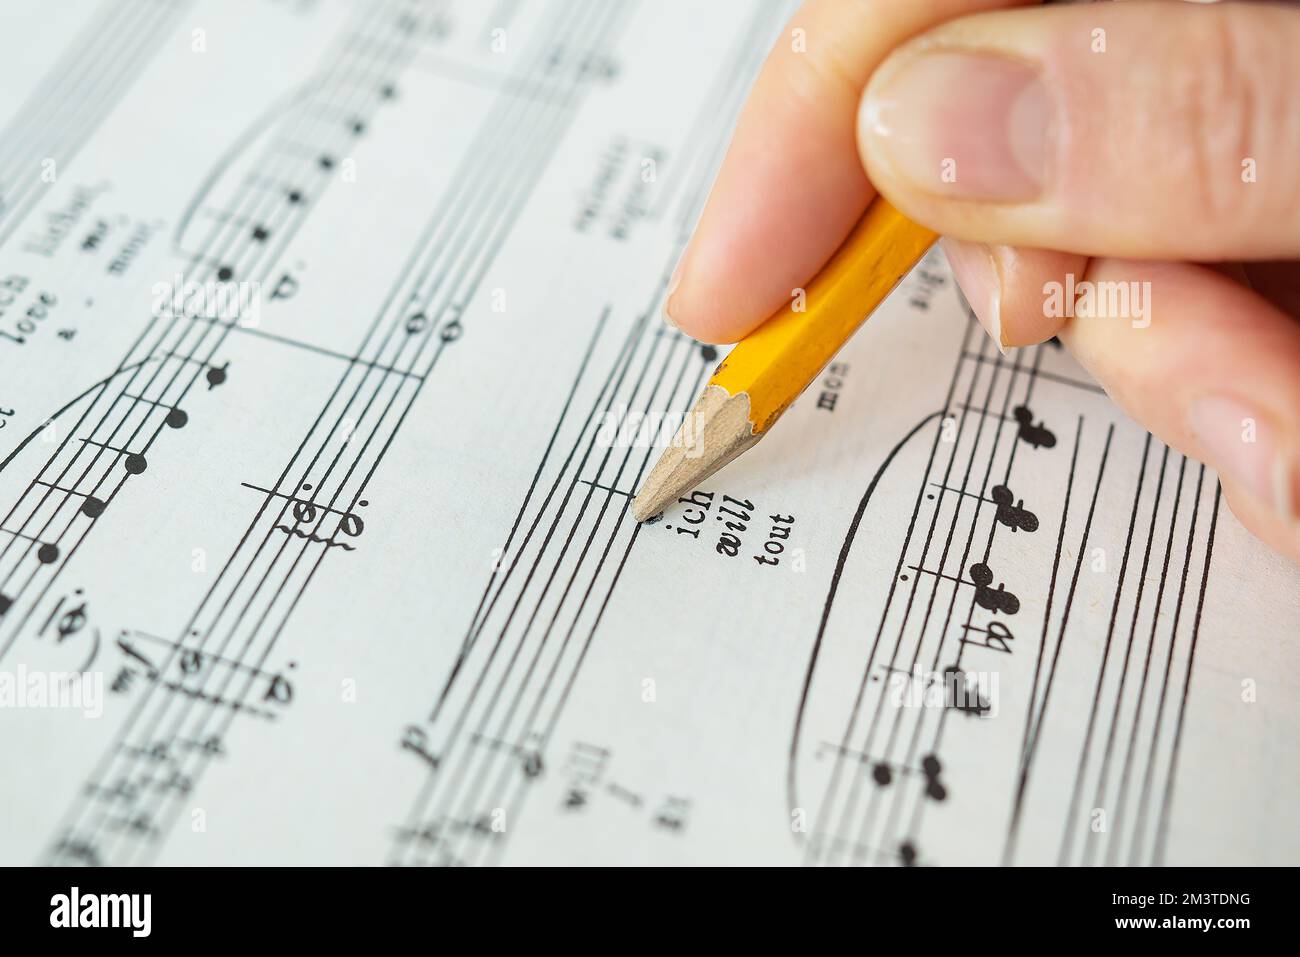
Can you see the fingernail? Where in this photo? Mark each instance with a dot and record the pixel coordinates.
(977, 274)
(1245, 447)
(674, 281)
(963, 125)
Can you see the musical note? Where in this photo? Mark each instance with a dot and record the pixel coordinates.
(280, 689)
(907, 853)
(305, 513)
(191, 661)
(72, 621)
(451, 331)
(1037, 435)
(1014, 517)
(994, 599)
(66, 623)
(962, 693)
(931, 768)
(216, 375)
(997, 637)
(532, 763)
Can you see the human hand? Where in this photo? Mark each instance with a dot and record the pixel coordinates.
(1120, 143)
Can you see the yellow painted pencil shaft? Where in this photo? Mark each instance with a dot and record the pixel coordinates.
(777, 361)
(768, 369)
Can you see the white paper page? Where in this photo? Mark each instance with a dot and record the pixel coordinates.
(351, 576)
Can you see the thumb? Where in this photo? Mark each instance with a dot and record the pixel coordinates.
(1163, 130)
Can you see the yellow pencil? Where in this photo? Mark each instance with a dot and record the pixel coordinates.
(768, 369)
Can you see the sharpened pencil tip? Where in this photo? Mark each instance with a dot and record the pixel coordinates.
(715, 431)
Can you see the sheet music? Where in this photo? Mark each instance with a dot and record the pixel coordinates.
(333, 561)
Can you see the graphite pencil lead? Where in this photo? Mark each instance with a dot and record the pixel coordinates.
(715, 431)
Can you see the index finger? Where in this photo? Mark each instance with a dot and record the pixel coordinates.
(791, 185)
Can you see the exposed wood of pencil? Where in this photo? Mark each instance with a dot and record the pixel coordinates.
(768, 369)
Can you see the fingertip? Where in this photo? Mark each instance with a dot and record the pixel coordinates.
(774, 217)
(976, 273)
(1261, 521)
(1035, 284)
(1211, 368)
(1010, 289)
(698, 301)
(1248, 445)
(746, 257)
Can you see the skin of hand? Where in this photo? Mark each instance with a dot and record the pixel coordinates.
(1136, 142)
